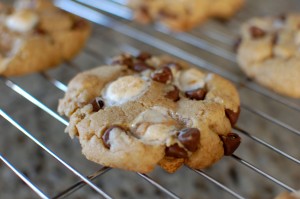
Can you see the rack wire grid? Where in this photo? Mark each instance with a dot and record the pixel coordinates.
(39, 160)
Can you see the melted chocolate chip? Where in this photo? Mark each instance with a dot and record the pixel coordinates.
(163, 76)
(190, 138)
(230, 143)
(141, 66)
(143, 56)
(232, 116)
(173, 94)
(176, 151)
(167, 14)
(257, 32)
(127, 61)
(79, 24)
(106, 134)
(39, 31)
(97, 104)
(198, 94)
(144, 10)
(282, 17)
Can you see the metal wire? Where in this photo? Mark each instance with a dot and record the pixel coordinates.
(217, 183)
(23, 177)
(80, 184)
(240, 160)
(73, 170)
(159, 186)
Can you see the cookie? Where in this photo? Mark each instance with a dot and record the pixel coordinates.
(181, 15)
(286, 195)
(147, 110)
(35, 36)
(269, 52)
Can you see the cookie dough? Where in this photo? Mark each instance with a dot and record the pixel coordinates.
(181, 15)
(35, 36)
(269, 52)
(142, 111)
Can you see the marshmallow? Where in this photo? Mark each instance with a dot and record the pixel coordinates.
(158, 132)
(124, 89)
(22, 21)
(154, 125)
(117, 137)
(191, 79)
(154, 115)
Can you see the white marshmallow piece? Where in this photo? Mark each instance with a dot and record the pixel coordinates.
(117, 138)
(124, 89)
(158, 133)
(22, 21)
(154, 125)
(191, 79)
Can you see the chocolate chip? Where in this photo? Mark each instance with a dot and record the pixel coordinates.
(190, 138)
(144, 10)
(106, 134)
(176, 151)
(173, 94)
(163, 75)
(143, 56)
(232, 116)
(257, 32)
(79, 24)
(237, 44)
(97, 104)
(198, 94)
(141, 66)
(167, 14)
(124, 60)
(282, 17)
(39, 31)
(230, 143)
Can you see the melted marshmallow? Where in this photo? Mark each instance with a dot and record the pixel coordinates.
(191, 79)
(22, 21)
(124, 89)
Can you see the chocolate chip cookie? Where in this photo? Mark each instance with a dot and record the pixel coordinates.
(269, 52)
(182, 15)
(142, 111)
(35, 35)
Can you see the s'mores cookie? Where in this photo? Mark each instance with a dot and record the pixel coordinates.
(269, 52)
(181, 15)
(142, 111)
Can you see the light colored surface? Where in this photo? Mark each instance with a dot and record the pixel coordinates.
(52, 178)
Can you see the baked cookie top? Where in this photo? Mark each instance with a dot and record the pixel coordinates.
(182, 15)
(35, 35)
(147, 110)
(269, 52)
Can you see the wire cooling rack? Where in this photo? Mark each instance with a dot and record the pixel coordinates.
(209, 48)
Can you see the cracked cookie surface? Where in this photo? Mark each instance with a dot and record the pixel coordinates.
(142, 111)
(35, 36)
(181, 15)
(269, 52)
